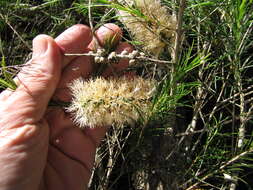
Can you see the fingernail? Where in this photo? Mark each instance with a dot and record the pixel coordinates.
(40, 45)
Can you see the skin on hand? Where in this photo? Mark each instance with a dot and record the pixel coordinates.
(40, 148)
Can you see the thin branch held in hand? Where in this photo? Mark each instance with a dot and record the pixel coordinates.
(123, 55)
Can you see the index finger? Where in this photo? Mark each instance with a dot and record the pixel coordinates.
(82, 66)
(74, 40)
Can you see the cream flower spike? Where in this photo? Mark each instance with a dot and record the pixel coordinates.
(160, 25)
(104, 102)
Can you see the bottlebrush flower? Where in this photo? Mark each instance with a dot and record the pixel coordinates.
(104, 102)
(152, 30)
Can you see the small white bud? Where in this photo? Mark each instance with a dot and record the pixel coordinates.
(101, 59)
(135, 53)
(112, 55)
(125, 52)
(97, 59)
(100, 51)
(142, 54)
(131, 56)
(131, 62)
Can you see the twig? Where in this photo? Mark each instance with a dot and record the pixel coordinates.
(121, 56)
(179, 31)
(97, 46)
(220, 168)
(13, 29)
(242, 130)
(238, 94)
(90, 17)
(191, 133)
(175, 58)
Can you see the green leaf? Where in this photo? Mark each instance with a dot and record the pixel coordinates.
(242, 10)
(208, 3)
(7, 81)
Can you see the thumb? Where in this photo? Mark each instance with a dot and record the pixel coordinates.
(37, 80)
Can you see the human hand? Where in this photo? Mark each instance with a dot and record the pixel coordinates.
(40, 148)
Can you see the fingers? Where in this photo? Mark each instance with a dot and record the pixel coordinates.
(74, 40)
(82, 66)
(38, 80)
(108, 36)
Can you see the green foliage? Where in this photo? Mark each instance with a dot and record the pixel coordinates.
(6, 81)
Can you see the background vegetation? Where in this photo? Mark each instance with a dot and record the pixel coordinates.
(200, 135)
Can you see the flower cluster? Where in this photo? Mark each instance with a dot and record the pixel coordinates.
(152, 30)
(104, 102)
